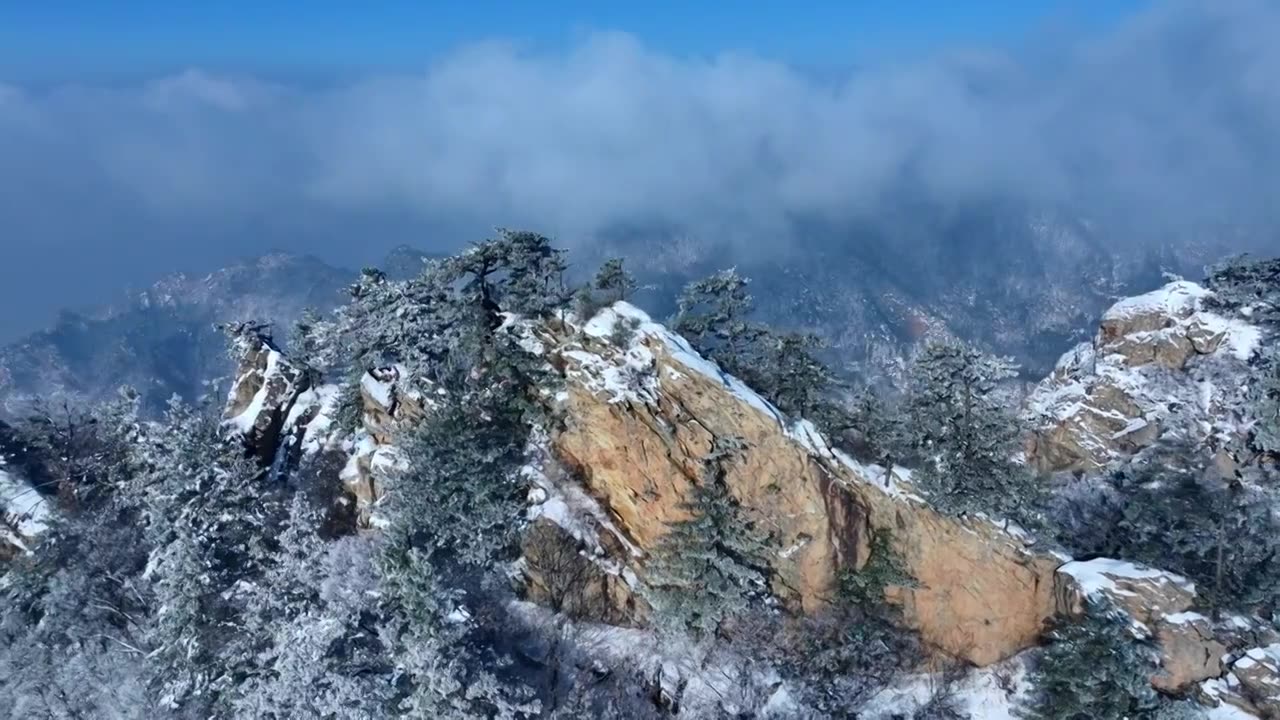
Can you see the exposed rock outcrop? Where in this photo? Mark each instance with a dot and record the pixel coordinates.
(386, 405)
(1159, 604)
(640, 411)
(641, 418)
(1252, 684)
(264, 392)
(1155, 356)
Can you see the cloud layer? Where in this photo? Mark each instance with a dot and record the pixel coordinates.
(1167, 120)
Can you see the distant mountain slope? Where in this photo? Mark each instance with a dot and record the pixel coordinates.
(1022, 282)
(163, 340)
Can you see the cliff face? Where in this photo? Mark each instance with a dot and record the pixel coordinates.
(1156, 358)
(640, 418)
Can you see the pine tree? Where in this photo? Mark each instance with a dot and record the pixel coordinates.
(795, 380)
(613, 281)
(1265, 400)
(463, 494)
(1243, 284)
(712, 316)
(73, 611)
(712, 566)
(535, 284)
(1094, 669)
(966, 436)
(319, 655)
(1179, 515)
(881, 434)
(783, 367)
(211, 524)
(305, 338)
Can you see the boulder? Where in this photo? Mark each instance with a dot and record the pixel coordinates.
(1251, 685)
(1159, 603)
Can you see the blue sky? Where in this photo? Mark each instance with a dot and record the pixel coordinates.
(81, 39)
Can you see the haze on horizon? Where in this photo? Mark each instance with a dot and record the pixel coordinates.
(139, 138)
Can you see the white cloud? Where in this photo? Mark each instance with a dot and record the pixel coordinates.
(1170, 118)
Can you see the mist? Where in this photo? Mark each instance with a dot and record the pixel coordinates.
(1163, 122)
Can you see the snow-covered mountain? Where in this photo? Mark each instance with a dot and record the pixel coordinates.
(1023, 282)
(162, 340)
(467, 461)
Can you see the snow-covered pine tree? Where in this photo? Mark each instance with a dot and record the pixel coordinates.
(453, 519)
(713, 316)
(1264, 394)
(1093, 669)
(712, 566)
(1248, 286)
(1179, 514)
(535, 284)
(313, 615)
(211, 524)
(73, 611)
(783, 367)
(965, 436)
(613, 281)
(878, 427)
(796, 380)
(454, 513)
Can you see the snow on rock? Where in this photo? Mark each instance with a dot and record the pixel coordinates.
(247, 416)
(379, 387)
(312, 415)
(1158, 360)
(1251, 685)
(574, 557)
(1158, 604)
(24, 513)
(1142, 590)
(1177, 298)
(895, 484)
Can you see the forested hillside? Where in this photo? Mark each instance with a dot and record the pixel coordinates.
(481, 491)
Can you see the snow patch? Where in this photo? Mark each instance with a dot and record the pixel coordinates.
(244, 422)
(23, 506)
(1176, 298)
(1099, 576)
(1184, 618)
(991, 693)
(380, 391)
(810, 438)
(321, 402)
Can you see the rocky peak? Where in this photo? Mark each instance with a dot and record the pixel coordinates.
(640, 411)
(1155, 358)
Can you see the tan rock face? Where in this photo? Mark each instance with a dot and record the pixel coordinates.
(1189, 653)
(637, 439)
(560, 575)
(265, 390)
